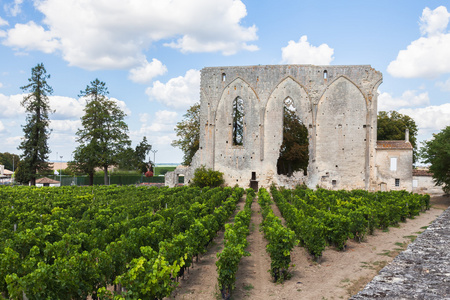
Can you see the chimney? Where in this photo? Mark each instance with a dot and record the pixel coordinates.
(406, 135)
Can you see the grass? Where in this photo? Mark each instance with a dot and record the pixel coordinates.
(248, 287)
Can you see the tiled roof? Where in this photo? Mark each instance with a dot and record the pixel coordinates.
(417, 172)
(46, 180)
(394, 145)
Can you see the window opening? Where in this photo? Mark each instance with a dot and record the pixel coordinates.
(393, 163)
(238, 121)
(333, 182)
(294, 152)
(325, 74)
(224, 76)
(397, 182)
(253, 175)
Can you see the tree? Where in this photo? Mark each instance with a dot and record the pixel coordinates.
(131, 159)
(104, 134)
(85, 160)
(34, 146)
(188, 131)
(437, 153)
(294, 152)
(9, 160)
(392, 126)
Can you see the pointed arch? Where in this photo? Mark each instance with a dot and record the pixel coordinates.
(273, 118)
(341, 133)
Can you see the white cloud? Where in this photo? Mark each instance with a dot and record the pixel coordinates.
(305, 53)
(178, 93)
(429, 119)
(427, 56)
(31, 36)
(13, 141)
(2, 127)
(10, 106)
(164, 121)
(113, 34)
(3, 22)
(410, 98)
(64, 126)
(66, 108)
(122, 105)
(147, 71)
(14, 8)
(435, 21)
(445, 86)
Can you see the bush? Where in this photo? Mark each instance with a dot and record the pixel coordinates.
(207, 177)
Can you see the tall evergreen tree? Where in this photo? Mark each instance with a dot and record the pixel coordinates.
(34, 146)
(104, 134)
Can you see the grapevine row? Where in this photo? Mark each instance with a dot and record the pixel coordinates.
(281, 240)
(324, 218)
(69, 242)
(235, 237)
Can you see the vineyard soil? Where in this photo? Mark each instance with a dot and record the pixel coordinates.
(338, 275)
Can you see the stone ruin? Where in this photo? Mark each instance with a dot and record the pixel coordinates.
(337, 105)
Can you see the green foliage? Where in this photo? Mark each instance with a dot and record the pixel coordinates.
(9, 160)
(130, 159)
(294, 152)
(234, 249)
(281, 240)
(320, 218)
(207, 177)
(104, 134)
(73, 242)
(34, 146)
(188, 133)
(392, 125)
(436, 152)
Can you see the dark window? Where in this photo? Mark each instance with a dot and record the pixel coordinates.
(253, 175)
(397, 182)
(238, 121)
(333, 182)
(224, 76)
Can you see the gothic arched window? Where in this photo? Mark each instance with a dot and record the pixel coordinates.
(238, 121)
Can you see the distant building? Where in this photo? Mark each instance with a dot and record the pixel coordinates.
(5, 175)
(44, 181)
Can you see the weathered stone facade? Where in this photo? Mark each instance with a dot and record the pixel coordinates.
(337, 104)
(420, 272)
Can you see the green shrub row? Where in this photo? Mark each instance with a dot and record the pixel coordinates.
(281, 240)
(235, 243)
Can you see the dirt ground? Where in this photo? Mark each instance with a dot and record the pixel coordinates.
(339, 275)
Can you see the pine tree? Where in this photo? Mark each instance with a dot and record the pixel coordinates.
(34, 146)
(104, 134)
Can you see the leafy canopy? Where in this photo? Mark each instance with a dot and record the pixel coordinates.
(188, 133)
(104, 133)
(294, 153)
(437, 153)
(392, 126)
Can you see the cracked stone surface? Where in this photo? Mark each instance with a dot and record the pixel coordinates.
(422, 271)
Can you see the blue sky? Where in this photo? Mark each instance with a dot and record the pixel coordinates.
(149, 54)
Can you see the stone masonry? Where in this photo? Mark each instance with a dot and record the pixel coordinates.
(422, 271)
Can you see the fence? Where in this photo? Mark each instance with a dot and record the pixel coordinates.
(113, 179)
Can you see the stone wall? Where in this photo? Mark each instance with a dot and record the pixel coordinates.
(422, 271)
(338, 105)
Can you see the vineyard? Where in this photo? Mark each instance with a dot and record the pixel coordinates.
(75, 242)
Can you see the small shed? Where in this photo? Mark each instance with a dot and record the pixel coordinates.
(45, 181)
(423, 183)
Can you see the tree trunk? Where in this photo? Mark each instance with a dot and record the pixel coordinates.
(105, 168)
(91, 178)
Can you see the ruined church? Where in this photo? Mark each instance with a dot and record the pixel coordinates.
(241, 128)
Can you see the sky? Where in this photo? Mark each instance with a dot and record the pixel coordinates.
(150, 53)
